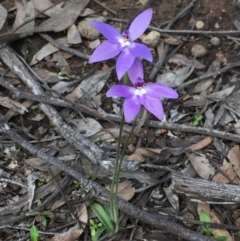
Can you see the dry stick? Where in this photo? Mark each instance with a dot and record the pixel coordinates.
(162, 58)
(102, 194)
(198, 32)
(208, 75)
(104, 6)
(110, 117)
(65, 48)
(80, 142)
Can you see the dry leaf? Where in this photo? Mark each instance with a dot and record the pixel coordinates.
(180, 59)
(89, 128)
(201, 165)
(224, 232)
(234, 158)
(175, 78)
(125, 190)
(73, 233)
(45, 4)
(222, 94)
(201, 144)
(46, 50)
(3, 16)
(31, 185)
(142, 153)
(64, 18)
(228, 169)
(24, 15)
(91, 85)
(13, 105)
(172, 41)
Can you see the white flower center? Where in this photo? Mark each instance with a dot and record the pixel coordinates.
(140, 92)
(124, 42)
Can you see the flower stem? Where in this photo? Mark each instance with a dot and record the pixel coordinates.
(114, 185)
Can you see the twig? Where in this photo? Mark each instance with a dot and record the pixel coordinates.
(62, 47)
(198, 32)
(110, 117)
(183, 31)
(208, 75)
(162, 58)
(103, 6)
(102, 194)
(13, 182)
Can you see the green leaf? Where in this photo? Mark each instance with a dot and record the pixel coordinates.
(102, 216)
(51, 215)
(220, 237)
(92, 223)
(46, 213)
(93, 231)
(34, 233)
(33, 213)
(98, 233)
(43, 221)
(204, 217)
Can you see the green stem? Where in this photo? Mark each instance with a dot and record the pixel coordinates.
(114, 185)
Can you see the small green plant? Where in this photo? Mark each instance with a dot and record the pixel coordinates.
(43, 181)
(42, 215)
(197, 120)
(205, 217)
(104, 224)
(85, 64)
(77, 184)
(62, 74)
(34, 234)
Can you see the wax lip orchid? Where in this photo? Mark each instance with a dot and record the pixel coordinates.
(147, 95)
(117, 43)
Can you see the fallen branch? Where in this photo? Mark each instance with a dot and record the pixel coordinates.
(102, 194)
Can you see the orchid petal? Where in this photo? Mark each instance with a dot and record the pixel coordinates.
(104, 51)
(141, 50)
(160, 91)
(135, 71)
(120, 91)
(140, 24)
(153, 105)
(124, 62)
(131, 107)
(107, 31)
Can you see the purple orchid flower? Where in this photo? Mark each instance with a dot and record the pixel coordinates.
(147, 95)
(123, 43)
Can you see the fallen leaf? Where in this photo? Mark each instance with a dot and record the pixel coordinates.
(201, 165)
(89, 128)
(142, 153)
(234, 158)
(125, 190)
(64, 18)
(172, 198)
(228, 169)
(31, 185)
(23, 15)
(222, 94)
(73, 233)
(91, 85)
(201, 144)
(46, 50)
(13, 105)
(175, 78)
(45, 4)
(3, 16)
(180, 59)
(215, 231)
